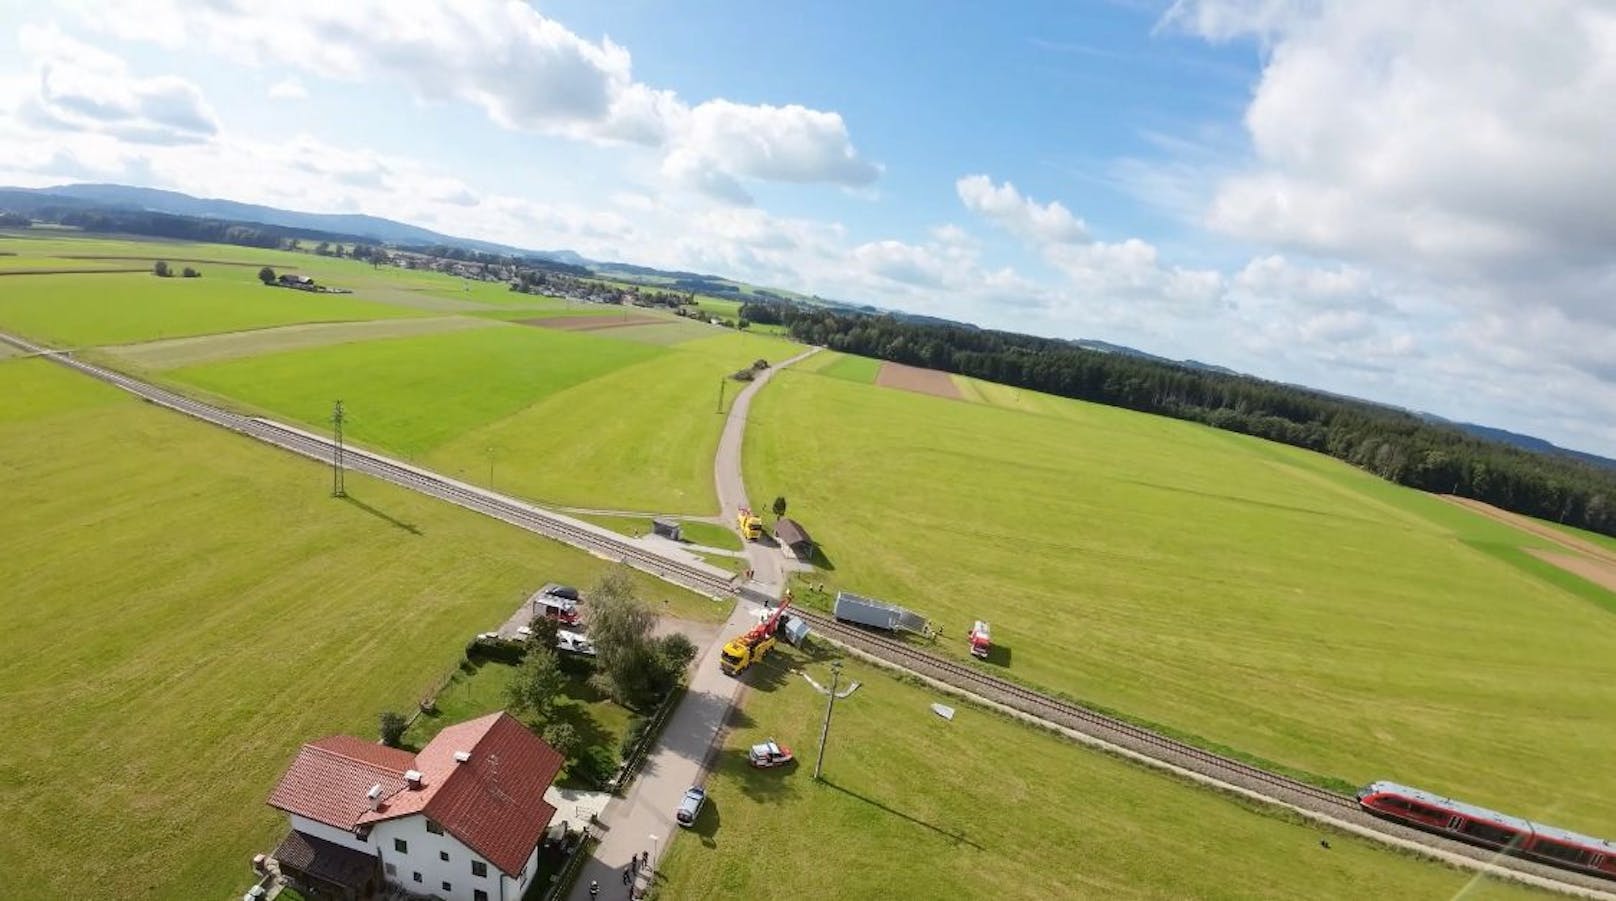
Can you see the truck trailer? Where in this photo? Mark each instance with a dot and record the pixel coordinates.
(877, 614)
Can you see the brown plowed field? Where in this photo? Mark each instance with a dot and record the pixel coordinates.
(1596, 571)
(913, 378)
(590, 323)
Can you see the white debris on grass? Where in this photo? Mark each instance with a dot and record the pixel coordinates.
(943, 710)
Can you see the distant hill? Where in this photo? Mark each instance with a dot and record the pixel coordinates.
(1524, 442)
(373, 228)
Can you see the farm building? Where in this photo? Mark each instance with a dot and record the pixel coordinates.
(794, 537)
(290, 280)
(463, 819)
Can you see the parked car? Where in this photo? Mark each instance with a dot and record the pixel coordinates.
(690, 806)
(769, 754)
(566, 592)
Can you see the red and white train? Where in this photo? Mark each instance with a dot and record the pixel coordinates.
(1490, 828)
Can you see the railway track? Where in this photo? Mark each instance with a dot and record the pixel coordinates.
(715, 583)
(1065, 713)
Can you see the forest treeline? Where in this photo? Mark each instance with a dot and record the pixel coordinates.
(1393, 444)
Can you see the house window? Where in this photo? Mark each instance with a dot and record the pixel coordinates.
(447, 887)
(417, 875)
(479, 895)
(434, 828)
(443, 856)
(401, 846)
(392, 869)
(478, 868)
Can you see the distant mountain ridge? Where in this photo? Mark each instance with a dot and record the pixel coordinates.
(1524, 442)
(375, 228)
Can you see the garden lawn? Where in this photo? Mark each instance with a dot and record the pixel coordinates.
(914, 806)
(86, 309)
(1260, 597)
(185, 608)
(409, 396)
(641, 437)
(479, 689)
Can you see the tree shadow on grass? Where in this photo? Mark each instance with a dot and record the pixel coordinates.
(773, 784)
(409, 527)
(957, 838)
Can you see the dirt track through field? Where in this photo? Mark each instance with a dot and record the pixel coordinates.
(69, 271)
(590, 323)
(920, 381)
(1546, 532)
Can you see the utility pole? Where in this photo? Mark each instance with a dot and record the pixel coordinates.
(337, 489)
(831, 697)
(721, 381)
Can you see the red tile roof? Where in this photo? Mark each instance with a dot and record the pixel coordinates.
(493, 803)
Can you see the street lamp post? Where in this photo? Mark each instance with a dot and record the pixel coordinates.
(651, 864)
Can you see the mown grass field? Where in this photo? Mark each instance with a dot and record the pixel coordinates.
(77, 309)
(1262, 598)
(185, 608)
(562, 417)
(981, 807)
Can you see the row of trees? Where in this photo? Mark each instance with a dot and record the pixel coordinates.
(161, 269)
(1393, 444)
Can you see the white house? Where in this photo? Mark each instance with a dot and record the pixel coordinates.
(463, 819)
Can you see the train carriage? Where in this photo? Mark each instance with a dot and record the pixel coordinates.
(1489, 828)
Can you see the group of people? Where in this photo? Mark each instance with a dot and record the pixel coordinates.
(630, 873)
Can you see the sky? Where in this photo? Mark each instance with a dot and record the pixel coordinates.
(1412, 203)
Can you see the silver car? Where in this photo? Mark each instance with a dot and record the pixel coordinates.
(690, 807)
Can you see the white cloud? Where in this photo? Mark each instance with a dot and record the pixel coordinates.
(526, 72)
(1004, 205)
(76, 87)
(288, 89)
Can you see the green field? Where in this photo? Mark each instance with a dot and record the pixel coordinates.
(194, 351)
(854, 369)
(75, 310)
(1262, 598)
(561, 417)
(917, 807)
(411, 395)
(185, 607)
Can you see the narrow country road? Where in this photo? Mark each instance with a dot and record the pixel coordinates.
(764, 559)
(679, 759)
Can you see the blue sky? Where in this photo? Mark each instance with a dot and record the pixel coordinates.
(1408, 204)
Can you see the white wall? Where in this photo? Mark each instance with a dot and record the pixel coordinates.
(513, 886)
(331, 834)
(423, 858)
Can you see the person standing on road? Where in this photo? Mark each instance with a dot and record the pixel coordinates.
(594, 889)
(628, 875)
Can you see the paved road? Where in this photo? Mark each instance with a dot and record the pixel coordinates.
(763, 558)
(677, 762)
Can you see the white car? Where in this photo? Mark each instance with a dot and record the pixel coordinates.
(690, 807)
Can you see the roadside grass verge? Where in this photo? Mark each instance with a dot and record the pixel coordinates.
(985, 807)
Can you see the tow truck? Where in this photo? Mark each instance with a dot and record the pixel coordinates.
(749, 647)
(748, 524)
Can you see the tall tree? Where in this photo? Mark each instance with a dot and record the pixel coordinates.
(779, 506)
(536, 685)
(266, 275)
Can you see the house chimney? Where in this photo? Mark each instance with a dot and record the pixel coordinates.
(462, 756)
(375, 796)
(412, 778)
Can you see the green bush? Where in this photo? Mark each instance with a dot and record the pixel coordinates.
(496, 649)
(596, 765)
(637, 727)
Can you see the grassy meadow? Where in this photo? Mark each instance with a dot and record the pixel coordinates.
(1256, 596)
(913, 806)
(529, 401)
(186, 608)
